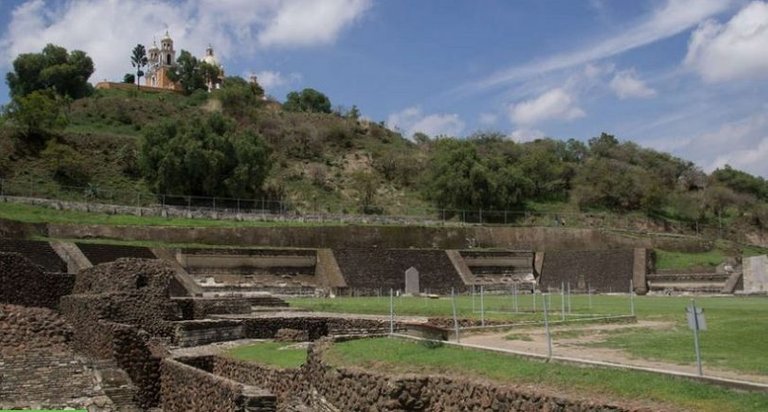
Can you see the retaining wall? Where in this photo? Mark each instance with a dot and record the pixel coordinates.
(41, 253)
(105, 253)
(338, 237)
(27, 284)
(601, 270)
(187, 388)
(383, 269)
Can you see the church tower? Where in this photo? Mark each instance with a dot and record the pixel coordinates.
(161, 61)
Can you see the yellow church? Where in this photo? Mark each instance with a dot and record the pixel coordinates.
(163, 59)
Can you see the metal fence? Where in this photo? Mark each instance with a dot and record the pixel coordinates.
(266, 208)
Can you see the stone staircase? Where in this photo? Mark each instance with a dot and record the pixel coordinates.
(116, 384)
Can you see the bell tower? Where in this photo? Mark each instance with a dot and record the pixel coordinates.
(167, 53)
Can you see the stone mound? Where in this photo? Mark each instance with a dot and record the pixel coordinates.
(23, 329)
(126, 275)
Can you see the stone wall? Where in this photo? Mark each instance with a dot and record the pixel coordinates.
(139, 357)
(204, 331)
(105, 253)
(601, 270)
(130, 291)
(39, 252)
(351, 236)
(353, 389)
(370, 270)
(288, 385)
(324, 387)
(38, 368)
(27, 284)
(188, 388)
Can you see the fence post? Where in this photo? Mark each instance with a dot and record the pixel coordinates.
(631, 297)
(562, 300)
(391, 312)
(455, 319)
(546, 328)
(569, 298)
(482, 306)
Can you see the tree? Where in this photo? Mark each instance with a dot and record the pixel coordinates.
(139, 61)
(204, 157)
(36, 114)
(187, 72)
(308, 100)
(129, 78)
(237, 95)
(458, 178)
(66, 74)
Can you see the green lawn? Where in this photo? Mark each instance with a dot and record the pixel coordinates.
(38, 214)
(738, 326)
(401, 356)
(270, 353)
(680, 260)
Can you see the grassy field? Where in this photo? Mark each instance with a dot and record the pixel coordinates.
(270, 353)
(738, 327)
(394, 355)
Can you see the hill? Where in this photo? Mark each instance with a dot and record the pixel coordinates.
(337, 163)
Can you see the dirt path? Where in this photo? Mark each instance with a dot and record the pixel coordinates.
(573, 345)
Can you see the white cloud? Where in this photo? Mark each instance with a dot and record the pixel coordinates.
(627, 85)
(412, 120)
(674, 17)
(270, 80)
(742, 143)
(735, 50)
(108, 29)
(526, 135)
(555, 104)
(310, 22)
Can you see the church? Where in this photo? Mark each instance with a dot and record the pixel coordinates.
(163, 59)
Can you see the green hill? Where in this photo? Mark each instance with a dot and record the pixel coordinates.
(336, 163)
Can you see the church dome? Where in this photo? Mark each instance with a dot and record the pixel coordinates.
(210, 58)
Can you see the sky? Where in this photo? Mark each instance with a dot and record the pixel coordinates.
(685, 76)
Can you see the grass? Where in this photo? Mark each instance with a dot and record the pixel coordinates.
(666, 260)
(39, 214)
(519, 336)
(400, 356)
(270, 353)
(738, 326)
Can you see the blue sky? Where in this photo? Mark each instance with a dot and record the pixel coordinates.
(686, 76)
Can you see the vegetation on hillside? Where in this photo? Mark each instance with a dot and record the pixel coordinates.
(64, 139)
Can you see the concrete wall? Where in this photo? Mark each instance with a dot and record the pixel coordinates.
(755, 274)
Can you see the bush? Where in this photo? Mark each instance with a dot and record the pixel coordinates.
(67, 166)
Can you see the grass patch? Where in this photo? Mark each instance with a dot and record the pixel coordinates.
(738, 326)
(519, 336)
(270, 353)
(39, 214)
(398, 356)
(666, 260)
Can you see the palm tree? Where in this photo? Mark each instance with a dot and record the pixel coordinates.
(139, 61)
